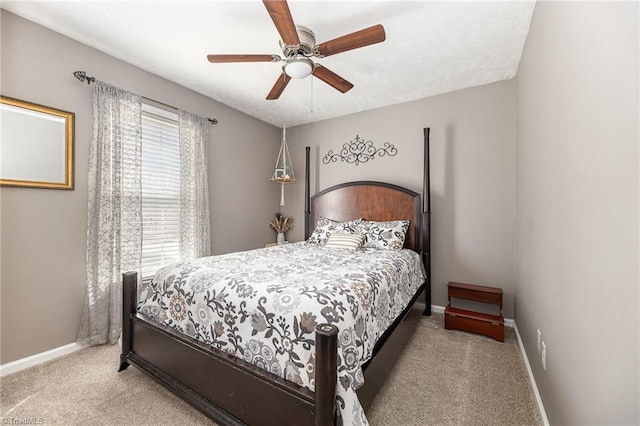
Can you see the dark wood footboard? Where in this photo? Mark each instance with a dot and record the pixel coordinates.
(234, 392)
(225, 388)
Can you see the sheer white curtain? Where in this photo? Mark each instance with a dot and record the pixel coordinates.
(195, 235)
(114, 234)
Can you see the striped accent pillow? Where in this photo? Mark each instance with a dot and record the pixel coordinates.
(344, 241)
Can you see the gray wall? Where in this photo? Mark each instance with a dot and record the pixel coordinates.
(472, 171)
(44, 231)
(577, 209)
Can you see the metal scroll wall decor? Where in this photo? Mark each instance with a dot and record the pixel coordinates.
(359, 151)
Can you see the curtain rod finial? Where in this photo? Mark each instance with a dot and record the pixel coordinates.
(82, 76)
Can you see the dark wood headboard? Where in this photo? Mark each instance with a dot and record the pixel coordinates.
(377, 201)
(368, 200)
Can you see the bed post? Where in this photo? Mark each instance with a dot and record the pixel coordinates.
(426, 221)
(307, 194)
(326, 373)
(129, 296)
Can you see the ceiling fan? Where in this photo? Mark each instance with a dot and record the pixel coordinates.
(299, 45)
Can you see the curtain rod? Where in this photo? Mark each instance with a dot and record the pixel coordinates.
(82, 76)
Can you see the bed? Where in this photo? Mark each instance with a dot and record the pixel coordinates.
(227, 382)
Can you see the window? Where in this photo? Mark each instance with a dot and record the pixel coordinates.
(160, 189)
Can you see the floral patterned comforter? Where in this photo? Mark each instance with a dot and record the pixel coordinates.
(263, 306)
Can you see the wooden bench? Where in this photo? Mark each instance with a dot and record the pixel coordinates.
(472, 321)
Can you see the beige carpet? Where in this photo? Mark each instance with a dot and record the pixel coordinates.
(443, 378)
(447, 377)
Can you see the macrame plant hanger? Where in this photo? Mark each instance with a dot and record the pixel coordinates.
(283, 171)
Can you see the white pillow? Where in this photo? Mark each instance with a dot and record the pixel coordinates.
(344, 241)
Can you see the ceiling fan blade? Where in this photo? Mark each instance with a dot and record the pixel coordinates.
(352, 41)
(277, 88)
(332, 79)
(281, 16)
(243, 58)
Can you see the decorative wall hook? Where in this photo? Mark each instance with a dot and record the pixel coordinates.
(359, 151)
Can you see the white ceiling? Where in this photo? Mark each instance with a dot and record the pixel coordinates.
(430, 48)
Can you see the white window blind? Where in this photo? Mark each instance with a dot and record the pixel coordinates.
(160, 189)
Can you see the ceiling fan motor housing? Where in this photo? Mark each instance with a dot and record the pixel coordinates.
(307, 43)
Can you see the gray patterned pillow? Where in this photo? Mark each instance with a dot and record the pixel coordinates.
(384, 235)
(326, 227)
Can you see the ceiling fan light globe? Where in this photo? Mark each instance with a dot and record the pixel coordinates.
(298, 68)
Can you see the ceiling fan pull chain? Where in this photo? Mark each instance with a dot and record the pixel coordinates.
(311, 96)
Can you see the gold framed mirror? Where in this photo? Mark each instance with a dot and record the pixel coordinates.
(36, 145)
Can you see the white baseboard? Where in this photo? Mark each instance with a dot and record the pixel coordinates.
(543, 413)
(440, 310)
(30, 361)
